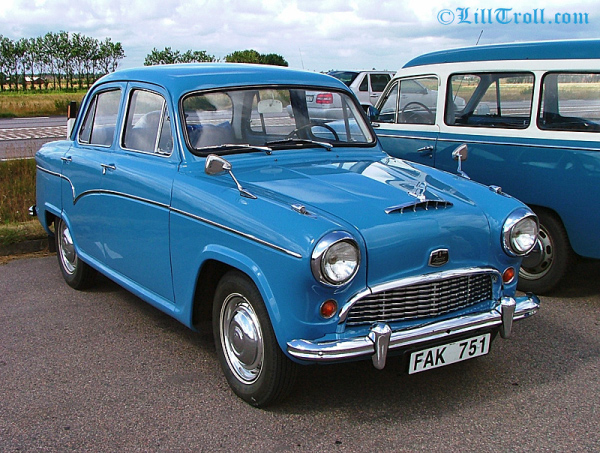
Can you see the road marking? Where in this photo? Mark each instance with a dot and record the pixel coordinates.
(33, 132)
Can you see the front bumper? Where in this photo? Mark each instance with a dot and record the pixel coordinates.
(381, 338)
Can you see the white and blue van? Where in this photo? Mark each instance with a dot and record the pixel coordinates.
(530, 115)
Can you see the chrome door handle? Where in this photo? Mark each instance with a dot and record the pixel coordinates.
(66, 159)
(426, 151)
(105, 167)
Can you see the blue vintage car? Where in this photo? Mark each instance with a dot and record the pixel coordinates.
(300, 240)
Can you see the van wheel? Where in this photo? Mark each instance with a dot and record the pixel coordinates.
(253, 363)
(549, 262)
(76, 273)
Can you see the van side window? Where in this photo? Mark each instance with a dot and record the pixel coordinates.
(387, 111)
(410, 101)
(98, 127)
(418, 100)
(498, 100)
(570, 102)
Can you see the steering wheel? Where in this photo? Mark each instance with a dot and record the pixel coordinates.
(312, 124)
(416, 114)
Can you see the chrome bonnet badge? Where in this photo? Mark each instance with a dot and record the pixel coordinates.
(439, 257)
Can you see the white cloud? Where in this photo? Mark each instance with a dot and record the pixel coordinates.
(316, 34)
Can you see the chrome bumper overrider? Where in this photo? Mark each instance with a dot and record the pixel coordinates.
(381, 338)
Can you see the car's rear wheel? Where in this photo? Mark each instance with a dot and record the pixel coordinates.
(252, 361)
(542, 270)
(75, 272)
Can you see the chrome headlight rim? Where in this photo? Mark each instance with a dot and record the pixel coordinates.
(318, 261)
(511, 224)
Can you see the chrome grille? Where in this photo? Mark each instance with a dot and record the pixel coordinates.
(421, 300)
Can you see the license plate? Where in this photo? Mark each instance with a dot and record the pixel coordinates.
(427, 359)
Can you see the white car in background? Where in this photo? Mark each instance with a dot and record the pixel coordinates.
(366, 85)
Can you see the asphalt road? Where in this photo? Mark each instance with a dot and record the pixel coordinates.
(22, 137)
(103, 371)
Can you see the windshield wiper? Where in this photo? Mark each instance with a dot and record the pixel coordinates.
(234, 146)
(300, 141)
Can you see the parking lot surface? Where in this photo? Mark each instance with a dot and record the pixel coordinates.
(103, 371)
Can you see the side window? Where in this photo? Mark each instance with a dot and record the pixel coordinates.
(364, 85)
(379, 82)
(100, 120)
(570, 102)
(147, 127)
(387, 111)
(418, 100)
(208, 119)
(498, 100)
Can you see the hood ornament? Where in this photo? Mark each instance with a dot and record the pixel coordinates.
(422, 202)
(419, 191)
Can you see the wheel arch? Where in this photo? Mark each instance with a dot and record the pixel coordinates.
(218, 261)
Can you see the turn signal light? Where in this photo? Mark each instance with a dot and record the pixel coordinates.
(328, 308)
(509, 275)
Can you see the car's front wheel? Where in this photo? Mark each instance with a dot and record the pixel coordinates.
(252, 361)
(75, 272)
(551, 259)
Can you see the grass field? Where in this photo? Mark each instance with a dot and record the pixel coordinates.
(17, 194)
(37, 103)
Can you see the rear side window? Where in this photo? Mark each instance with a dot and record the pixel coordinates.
(379, 82)
(497, 100)
(100, 120)
(570, 102)
(148, 126)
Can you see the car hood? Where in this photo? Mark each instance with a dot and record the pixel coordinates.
(403, 214)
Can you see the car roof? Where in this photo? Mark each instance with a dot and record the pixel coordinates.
(199, 76)
(542, 50)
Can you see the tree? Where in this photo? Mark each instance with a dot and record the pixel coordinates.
(274, 59)
(252, 56)
(169, 56)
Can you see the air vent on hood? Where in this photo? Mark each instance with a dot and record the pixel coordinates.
(416, 205)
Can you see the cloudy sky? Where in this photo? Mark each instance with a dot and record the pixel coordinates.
(316, 35)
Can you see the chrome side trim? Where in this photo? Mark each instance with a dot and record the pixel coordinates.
(466, 138)
(408, 281)
(178, 211)
(120, 194)
(237, 232)
(373, 343)
(53, 173)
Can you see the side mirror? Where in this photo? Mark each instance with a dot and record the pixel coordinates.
(372, 113)
(461, 153)
(216, 165)
(71, 115)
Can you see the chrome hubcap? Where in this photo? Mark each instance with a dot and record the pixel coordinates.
(538, 263)
(241, 338)
(66, 249)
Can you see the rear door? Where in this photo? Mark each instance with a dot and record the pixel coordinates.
(138, 183)
(83, 169)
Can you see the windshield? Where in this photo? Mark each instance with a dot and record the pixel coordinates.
(244, 120)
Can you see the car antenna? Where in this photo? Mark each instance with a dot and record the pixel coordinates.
(456, 95)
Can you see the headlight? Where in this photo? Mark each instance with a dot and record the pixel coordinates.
(520, 232)
(335, 259)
